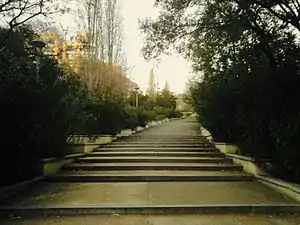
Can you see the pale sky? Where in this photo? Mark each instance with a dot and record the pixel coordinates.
(174, 69)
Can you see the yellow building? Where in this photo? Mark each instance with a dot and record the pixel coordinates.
(53, 44)
(66, 51)
(100, 73)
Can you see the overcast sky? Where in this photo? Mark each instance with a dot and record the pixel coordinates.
(172, 68)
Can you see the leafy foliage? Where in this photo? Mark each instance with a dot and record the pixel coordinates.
(249, 59)
(41, 108)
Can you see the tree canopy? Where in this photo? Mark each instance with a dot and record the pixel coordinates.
(249, 54)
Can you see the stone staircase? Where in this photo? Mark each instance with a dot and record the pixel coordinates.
(160, 159)
(167, 170)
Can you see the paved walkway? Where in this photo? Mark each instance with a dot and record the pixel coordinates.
(155, 177)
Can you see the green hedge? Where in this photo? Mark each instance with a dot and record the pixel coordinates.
(259, 111)
(40, 111)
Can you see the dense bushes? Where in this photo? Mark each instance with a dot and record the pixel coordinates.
(39, 111)
(260, 114)
(134, 117)
(105, 117)
(247, 56)
(255, 102)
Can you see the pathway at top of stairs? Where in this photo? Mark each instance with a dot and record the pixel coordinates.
(154, 177)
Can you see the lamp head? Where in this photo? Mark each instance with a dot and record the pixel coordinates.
(39, 44)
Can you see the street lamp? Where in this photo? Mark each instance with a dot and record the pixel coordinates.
(38, 45)
(136, 96)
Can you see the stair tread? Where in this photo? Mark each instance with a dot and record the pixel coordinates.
(154, 173)
(153, 157)
(158, 144)
(47, 194)
(171, 219)
(173, 142)
(158, 149)
(153, 152)
(153, 164)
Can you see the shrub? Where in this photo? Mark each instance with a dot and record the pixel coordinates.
(105, 117)
(130, 117)
(258, 111)
(134, 117)
(142, 117)
(175, 114)
(151, 114)
(38, 111)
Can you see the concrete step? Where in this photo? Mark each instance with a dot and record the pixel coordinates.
(130, 194)
(156, 149)
(187, 139)
(165, 136)
(77, 177)
(194, 215)
(167, 154)
(130, 141)
(153, 160)
(153, 172)
(151, 166)
(162, 145)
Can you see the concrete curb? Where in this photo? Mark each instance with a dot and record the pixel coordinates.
(9, 191)
(249, 165)
(227, 148)
(241, 157)
(151, 209)
(286, 188)
(206, 134)
(71, 156)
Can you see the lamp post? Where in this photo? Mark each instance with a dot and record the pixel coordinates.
(38, 45)
(136, 96)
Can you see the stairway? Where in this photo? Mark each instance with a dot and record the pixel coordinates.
(165, 171)
(153, 159)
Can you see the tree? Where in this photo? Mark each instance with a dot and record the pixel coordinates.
(40, 109)
(288, 12)
(17, 12)
(249, 59)
(166, 99)
(103, 28)
(166, 87)
(182, 25)
(151, 91)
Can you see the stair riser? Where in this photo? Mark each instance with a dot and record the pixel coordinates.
(155, 154)
(148, 179)
(155, 150)
(173, 168)
(158, 160)
(146, 210)
(176, 142)
(156, 146)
